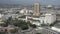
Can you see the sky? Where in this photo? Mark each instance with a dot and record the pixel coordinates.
(42, 2)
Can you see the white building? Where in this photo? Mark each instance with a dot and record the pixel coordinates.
(47, 18)
(1, 15)
(25, 10)
(1, 20)
(49, 6)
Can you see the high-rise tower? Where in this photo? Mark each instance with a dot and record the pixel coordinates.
(36, 9)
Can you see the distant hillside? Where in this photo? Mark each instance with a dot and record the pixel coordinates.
(8, 5)
(14, 5)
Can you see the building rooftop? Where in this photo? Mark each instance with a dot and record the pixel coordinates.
(50, 30)
(56, 29)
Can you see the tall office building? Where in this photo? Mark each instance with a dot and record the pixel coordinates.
(36, 9)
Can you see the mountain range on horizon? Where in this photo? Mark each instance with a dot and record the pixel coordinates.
(29, 3)
(42, 2)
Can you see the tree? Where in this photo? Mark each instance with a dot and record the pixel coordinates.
(14, 30)
(3, 32)
(38, 33)
(4, 25)
(44, 24)
(22, 24)
(7, 22)
(17, 12)
(24, 27)
(31, 25)
(19, 23)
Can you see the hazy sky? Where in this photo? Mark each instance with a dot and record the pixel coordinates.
(44, 2)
